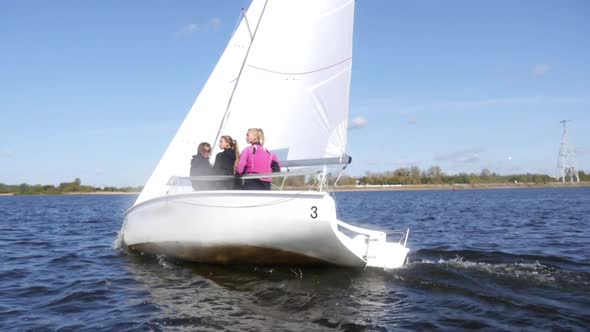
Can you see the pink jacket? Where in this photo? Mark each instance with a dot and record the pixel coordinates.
(255, 159)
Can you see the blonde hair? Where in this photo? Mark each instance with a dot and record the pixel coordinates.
(259, 135)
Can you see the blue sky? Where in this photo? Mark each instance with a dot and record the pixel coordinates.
(97, 89)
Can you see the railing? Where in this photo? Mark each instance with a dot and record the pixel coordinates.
(317, 168)
(344, 160)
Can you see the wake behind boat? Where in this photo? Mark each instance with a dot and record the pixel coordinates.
(286, 69)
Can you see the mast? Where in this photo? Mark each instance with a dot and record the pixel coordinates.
(296, 79)
(227, 108)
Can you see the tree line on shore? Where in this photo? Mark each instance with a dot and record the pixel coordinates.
(400, 176)
(75, 186)
(434, 175)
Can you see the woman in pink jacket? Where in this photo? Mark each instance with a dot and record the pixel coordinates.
(255, 159)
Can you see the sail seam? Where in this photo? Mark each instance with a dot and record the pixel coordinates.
(301, 73)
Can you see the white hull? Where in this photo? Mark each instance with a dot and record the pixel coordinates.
(255, 227)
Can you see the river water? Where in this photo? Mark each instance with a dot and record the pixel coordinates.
(507, 259)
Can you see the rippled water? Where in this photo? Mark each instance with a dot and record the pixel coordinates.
(515, 259)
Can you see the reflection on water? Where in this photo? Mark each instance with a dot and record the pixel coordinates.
(280, 297)
(450, 292)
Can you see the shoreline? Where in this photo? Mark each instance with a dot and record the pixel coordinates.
(350, 188)
(103, 193)
(77, 193)
(478, 186)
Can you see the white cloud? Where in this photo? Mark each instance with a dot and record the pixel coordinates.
(473, 158)
(468, 156)
(541, 69)
(357, 122)
(6, 153)
(492, 104)
(215, 22)
(406, 162)
(188, 30)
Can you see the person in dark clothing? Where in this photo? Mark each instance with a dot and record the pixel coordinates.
(226, 162)
(200, 166)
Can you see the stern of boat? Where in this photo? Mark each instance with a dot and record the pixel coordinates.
(381, 249)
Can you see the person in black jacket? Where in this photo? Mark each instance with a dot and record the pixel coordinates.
(200, 166)
(226, 161)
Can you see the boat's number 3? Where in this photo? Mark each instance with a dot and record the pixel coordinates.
(314, 212)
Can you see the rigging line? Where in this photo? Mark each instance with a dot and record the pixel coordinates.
(301, 73)
(237, 24)
(248, 25)
(231, 97)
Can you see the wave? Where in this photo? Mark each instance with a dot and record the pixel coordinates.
(497, 257)
(504, 267)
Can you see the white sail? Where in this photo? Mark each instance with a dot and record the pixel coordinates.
(292, 81)
(202, 122)
(295, 84)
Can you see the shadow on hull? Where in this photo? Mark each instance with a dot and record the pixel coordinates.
(227, 254)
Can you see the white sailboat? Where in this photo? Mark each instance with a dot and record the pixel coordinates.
(287, 70)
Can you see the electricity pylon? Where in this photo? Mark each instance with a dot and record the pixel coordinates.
(566, 162)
